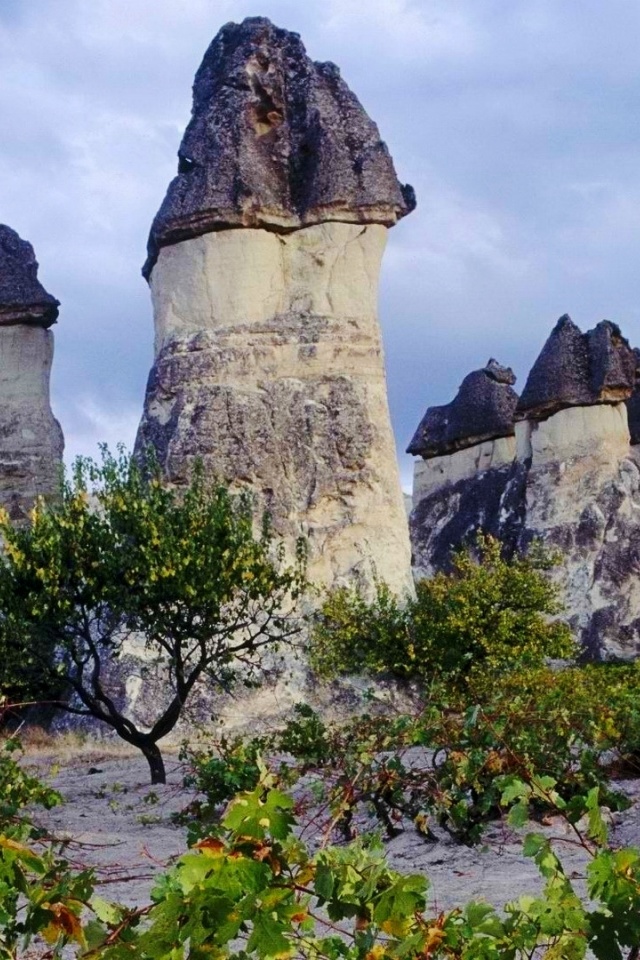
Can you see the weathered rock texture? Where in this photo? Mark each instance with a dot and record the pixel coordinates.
(570, 478)
(483, 409)
(576, 369)
(275, 140)
(31, 442)
(263, 265)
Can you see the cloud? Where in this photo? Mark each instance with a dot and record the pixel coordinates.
(516, 123)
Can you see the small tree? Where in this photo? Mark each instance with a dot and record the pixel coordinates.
(488, 616)
(121, 554)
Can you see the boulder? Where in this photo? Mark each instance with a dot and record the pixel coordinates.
(482, 410)
(23, 299)
(276, 141)
(576, 369)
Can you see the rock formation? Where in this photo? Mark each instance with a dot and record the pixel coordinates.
(263, 265)
(571, 480)
(466, 479)
(31, 441)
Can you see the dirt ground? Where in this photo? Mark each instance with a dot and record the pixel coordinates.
(122, 827)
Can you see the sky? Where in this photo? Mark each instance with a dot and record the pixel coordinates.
(517, 122)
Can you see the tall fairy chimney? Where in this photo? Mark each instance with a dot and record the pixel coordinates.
(263, 266)
(31, 441)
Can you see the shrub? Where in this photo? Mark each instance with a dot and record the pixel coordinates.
(488, 615)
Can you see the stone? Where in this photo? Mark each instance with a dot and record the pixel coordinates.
(583, 500)
(275, 141)
(482, 410)
(263, 265)
(269, 367)
(458, 495)
(31, 442)
(569, 479)
(576, 369)
(23, 299)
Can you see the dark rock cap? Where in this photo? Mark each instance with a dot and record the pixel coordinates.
(275, 140)
(23, 299)
(576, 369)
(633, 404)
(483, 409)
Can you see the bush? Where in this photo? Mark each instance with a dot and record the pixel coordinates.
(489, 616)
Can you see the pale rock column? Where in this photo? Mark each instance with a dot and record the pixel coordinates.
(263, 265)
(583, 484)
(466, 479)
(31, 441)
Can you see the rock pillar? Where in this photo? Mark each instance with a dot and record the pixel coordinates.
(31, 442)
(263, 265)
(569, 478)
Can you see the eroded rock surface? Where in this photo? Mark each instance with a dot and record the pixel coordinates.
(264, 265)
(483, 409)
(570, 477)
(275, 140)
(23, 299)
(576, 369)
(31, 442)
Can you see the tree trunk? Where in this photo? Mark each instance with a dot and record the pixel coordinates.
(155, 761)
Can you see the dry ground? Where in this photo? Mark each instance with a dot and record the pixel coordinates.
(121, 826)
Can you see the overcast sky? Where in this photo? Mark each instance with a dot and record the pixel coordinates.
(517, 122)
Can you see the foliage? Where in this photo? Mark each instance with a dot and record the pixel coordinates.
(227, 767)
(445, 764)
(38, 892)
(119, 554)
(488, 615)
(253, 889)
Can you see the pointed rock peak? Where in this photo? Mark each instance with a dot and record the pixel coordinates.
(277, 141)
(576, 369)
(23, 299)
(483, 409)
(500, 374)
(633, 403)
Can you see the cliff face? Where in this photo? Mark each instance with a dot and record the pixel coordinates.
(263, 265)
(569, 477)
(31, 442)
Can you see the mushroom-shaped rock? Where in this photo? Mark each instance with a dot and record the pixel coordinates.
(277, 141)
(31, 442)
(23, 299)
(483, 409)
(576, 369)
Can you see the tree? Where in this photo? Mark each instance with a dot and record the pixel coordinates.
(487, 616)
(121, 554)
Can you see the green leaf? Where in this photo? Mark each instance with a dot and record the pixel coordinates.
(268, 937)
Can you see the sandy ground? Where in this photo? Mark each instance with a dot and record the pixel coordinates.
(122, 827)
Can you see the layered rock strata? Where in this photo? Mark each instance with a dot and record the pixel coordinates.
(263, 265)
(571, 479)
(31, 442)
